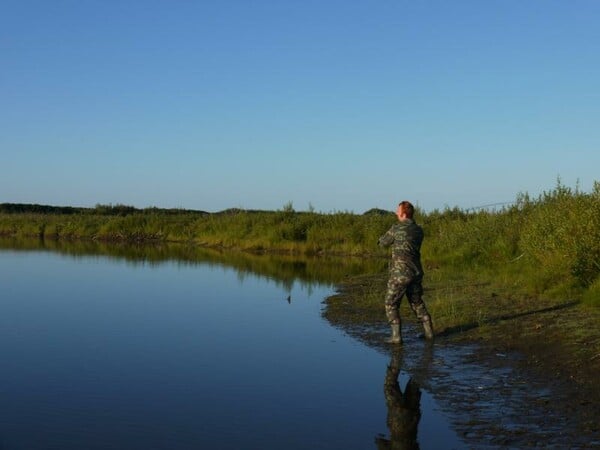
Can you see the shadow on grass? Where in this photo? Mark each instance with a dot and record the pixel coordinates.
(492, 320)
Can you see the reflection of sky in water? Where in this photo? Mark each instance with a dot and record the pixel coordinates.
(98, 353)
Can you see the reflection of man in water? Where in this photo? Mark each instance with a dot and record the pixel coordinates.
(404, 409)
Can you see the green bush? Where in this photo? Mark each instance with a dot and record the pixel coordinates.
(555, 238)
(591, 296)
(562, 233)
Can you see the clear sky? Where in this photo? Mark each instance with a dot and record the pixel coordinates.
(342, 105)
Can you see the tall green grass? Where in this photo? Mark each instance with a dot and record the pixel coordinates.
(549, 244)
(285, 231)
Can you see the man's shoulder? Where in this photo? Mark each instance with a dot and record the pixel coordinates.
(411, 228)
(405, 226)
(397, 227)
(411, 223)
(407, 223)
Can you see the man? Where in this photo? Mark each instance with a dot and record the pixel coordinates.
(406, 273)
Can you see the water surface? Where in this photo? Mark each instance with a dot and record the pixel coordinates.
(182, 352)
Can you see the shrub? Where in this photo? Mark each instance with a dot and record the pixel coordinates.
(562, 232)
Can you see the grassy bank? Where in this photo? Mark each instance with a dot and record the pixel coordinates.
(548, 246)
(524, 280)
(526, 273)
(284, 231)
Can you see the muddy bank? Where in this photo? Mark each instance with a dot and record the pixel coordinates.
(524, 377)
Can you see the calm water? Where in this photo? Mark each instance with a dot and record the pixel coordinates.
(188, 353)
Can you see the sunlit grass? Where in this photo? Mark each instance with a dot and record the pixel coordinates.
(546, 247)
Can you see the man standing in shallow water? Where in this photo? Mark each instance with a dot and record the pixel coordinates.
(406, 272)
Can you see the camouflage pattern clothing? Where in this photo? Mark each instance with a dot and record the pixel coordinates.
(406, 272)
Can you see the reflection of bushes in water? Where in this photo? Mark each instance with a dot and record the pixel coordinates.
(285, 269)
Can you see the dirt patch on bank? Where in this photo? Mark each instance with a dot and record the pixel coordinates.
(559, 348)
(525, 376)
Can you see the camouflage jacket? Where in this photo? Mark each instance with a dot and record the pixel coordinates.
(405, 237)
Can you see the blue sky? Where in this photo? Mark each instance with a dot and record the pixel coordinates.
(342, 105)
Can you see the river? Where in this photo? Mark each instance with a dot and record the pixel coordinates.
(175, 348)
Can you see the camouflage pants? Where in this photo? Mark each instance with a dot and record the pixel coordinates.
(399, 284)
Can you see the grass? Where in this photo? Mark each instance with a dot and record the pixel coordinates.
(546, 247)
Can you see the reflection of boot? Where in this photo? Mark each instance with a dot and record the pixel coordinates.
(396, 337)
(428, 327)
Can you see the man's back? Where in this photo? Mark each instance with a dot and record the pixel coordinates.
(406, 238)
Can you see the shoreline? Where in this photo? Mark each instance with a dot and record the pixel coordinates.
(554, 348)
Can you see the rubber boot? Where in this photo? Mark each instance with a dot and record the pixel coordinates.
(396, 337)
(428, 327)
